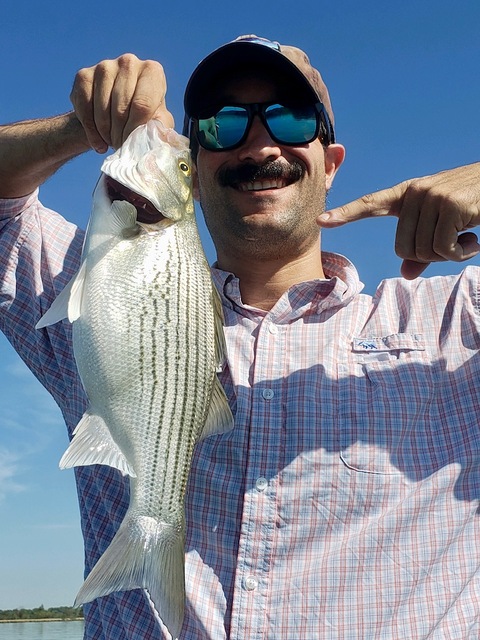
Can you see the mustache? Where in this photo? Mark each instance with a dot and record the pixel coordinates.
(274, 170)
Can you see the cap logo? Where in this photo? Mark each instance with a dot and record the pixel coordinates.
(257, 40)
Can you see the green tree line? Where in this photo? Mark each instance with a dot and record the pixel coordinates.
(40, 613)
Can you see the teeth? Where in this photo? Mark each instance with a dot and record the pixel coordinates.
(261, 185)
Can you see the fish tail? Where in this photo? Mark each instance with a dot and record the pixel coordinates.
(144, 554)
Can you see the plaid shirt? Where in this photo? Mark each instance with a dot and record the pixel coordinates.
(345, 502)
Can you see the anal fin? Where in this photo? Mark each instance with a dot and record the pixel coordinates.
(93, 444)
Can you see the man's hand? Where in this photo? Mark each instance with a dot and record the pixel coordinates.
(114, 97)
(432, 213)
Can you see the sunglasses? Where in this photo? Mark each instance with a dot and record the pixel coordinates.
(228, 128)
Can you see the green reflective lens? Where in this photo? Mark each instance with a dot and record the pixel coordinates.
(232, 124)
(292, 125)
(229, 127)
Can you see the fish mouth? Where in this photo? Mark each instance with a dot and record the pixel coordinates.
(146, 212)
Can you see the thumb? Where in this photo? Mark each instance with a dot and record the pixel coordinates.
(387, 202)
(411, 269)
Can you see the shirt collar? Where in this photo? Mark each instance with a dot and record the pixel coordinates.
(337, 290)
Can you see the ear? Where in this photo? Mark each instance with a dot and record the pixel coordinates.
(334, 156)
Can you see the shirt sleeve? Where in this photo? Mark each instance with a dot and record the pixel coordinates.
(39, 253)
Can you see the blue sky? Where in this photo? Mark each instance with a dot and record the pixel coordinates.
(405, 88)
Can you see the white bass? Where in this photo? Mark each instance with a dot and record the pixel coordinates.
(148, 341)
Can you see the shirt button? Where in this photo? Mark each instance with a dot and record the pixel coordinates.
(268, 394)
(273, 328)
(250, 583)
(261, 484)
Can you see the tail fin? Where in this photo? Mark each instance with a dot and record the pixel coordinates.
(144, 554)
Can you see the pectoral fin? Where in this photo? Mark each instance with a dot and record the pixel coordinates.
(219, 418)
(220, 344)
(123, 216)
(68, 303)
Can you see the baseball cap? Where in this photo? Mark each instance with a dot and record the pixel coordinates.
(286, 61)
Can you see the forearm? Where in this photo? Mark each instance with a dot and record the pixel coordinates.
(39, 253)
(33, 150)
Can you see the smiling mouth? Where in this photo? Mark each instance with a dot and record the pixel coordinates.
(252, 177)
(261, 185)
(146, 212)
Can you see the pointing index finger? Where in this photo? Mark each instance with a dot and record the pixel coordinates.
(386, 202)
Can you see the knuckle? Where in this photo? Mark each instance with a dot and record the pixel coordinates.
(368, 199)
(127, 61)
(442, 252)
(142, 105)
(446, 199)
(81, 84)
(104, 69)
(417, 186)
(121, 109)
(152, 66)
(424, 254)
(84, 75)
(422, 192)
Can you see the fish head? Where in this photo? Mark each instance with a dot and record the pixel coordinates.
(153, 171)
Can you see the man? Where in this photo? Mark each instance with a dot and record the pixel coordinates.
(344, 503)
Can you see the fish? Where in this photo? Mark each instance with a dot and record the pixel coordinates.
(148, 341)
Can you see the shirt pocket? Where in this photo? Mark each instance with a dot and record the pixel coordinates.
(386, 390)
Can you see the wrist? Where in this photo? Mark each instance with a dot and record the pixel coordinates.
(68, 135)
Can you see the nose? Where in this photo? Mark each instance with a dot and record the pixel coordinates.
(259, 146)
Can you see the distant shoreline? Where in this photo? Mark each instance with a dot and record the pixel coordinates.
(54, 614)
(43, 620)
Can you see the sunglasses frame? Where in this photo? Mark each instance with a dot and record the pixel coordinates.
(323, 128)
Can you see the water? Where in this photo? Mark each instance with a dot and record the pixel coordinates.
(64, 630)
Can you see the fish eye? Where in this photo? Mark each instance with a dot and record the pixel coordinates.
(183, 166)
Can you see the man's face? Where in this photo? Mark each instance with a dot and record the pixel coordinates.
(262, 199)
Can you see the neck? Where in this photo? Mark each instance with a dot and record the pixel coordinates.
(263, 282)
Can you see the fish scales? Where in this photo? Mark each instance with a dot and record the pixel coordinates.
(176, 309)
(148, 340)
